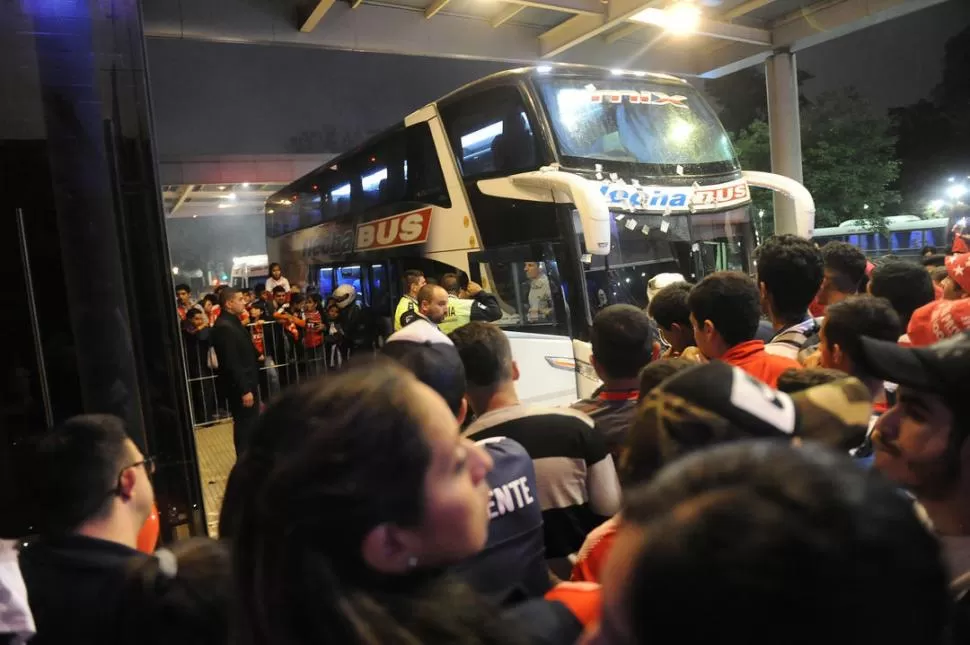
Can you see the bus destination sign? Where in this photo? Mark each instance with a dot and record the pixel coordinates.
(635, 197)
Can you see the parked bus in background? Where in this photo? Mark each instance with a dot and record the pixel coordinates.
(560, 189)
(249, 270)
(905, 236)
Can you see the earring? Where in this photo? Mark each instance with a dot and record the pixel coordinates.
(412, 562)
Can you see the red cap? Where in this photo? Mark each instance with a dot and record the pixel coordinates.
(958, 268)
(938, 320)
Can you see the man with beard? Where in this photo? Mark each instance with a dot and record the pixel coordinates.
(921, 442)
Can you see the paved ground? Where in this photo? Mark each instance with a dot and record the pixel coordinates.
(216, 458)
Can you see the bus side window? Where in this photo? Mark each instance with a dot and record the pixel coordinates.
(916, 239)
(491, 133)
(422, 170)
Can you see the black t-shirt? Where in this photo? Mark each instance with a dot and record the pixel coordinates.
(575, 475)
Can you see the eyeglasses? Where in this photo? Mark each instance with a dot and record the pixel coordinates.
(148, 463)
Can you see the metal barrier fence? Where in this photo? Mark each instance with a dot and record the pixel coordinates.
(286, 360)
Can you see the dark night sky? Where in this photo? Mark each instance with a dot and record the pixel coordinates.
(892, 64)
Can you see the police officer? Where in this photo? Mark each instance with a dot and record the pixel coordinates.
(408, 304)
(478, 305)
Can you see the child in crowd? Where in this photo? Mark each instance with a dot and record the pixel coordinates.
(313, 335)
(256, 327)
(276, 278)
(210, 305)
(333, 335)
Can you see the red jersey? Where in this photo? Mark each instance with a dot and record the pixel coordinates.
(960, 244)
(583, 599)
(314, 329)
(753, 359)
(596, 548)
(214, 315)
(257, 330)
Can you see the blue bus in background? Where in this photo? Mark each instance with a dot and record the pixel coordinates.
(905, 235)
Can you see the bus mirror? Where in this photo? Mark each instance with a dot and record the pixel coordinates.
(804, 222)
(594, 213)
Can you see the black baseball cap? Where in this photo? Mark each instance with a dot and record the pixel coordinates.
(943, 368)
(429, 354)
(716, 402)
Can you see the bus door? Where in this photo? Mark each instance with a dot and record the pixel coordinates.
(535, 289)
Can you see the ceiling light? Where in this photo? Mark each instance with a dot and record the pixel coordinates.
(617, 72)
(680, 18)
(956, 191)
(544, 69)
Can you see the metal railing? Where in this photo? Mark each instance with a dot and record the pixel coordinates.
(287, 359)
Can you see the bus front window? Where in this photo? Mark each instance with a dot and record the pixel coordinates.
(652, 124)
(722, 241)
(643, 246)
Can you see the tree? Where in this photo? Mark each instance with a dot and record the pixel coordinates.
(754, 150)
(934, 135)
(848, 154)
(742, 97)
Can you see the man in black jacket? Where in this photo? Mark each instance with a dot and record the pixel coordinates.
(238, 366)
(90, 488)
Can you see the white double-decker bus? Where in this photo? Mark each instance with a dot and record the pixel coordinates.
(560, 189)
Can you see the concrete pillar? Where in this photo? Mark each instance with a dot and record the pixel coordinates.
(784, 127)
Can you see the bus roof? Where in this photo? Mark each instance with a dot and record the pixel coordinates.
(563, 70)
(913, 225)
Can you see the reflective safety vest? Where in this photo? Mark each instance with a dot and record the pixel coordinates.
(459, 314)
(404, 305)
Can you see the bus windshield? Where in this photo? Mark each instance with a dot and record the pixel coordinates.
(655, 125)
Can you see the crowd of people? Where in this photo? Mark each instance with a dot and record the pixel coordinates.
(769, 457)
(256, 341)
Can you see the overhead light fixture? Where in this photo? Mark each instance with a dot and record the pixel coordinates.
(956, 191)
(544, 69)
(617, 72)
(245, 184)
(679, 18)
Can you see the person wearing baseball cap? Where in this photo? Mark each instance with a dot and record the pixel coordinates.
(921, 442)
(715, 403)
(956, 284)
(937, 321)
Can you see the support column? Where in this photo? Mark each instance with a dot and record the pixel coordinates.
(784, 126)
